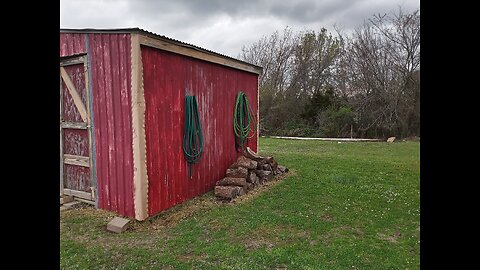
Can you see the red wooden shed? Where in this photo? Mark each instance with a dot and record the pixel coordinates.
(122, 117)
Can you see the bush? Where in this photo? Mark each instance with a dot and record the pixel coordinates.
(335, 122)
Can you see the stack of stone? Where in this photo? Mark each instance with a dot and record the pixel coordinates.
(247, 172)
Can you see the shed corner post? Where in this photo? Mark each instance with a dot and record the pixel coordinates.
(258, 113)
(140, 178)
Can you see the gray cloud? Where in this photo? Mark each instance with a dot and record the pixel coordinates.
(309, 11)
(223, 25)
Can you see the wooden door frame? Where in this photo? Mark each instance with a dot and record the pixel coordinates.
(86, 124)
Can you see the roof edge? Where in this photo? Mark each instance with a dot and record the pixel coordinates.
(136, 30)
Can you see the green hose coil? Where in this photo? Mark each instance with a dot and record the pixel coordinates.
(244, 121)
(192, 136)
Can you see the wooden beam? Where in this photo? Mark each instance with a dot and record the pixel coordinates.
(86, 200)
(73, 61)
(76, 160)
(183, 50)
(74, 125)
(327, 139)
(140, 178)
(90, 120)
(66, 199)
(61, 138)
(79, 194)
(75, 96)
(258, 114)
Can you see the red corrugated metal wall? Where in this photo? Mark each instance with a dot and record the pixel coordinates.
(111, 102)
(166, 76)
(111, 89)
(72, 43)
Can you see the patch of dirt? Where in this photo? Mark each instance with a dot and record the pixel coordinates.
(392, 238)
(89, 225)
(355, 231)
(302, 234)
(326, 239)
(191, 257)
(97, 220)
(269, 237)
(340, 233)
(253, 244)
(326, 217)
(178, 213)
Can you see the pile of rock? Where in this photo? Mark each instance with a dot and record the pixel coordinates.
(250, 170)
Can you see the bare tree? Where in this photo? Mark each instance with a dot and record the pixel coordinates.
(382, 57)
(368, 81)
(274, 54)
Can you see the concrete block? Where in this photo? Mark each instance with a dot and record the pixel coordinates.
(118, 225)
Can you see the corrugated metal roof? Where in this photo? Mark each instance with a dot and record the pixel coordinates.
(153, 35)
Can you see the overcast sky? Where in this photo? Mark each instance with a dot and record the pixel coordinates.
(223, 26)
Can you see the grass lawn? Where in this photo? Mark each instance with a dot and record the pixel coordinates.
(342, 206)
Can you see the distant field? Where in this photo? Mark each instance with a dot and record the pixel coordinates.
(344, 205)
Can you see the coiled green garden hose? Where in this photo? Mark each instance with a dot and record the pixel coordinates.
(192, 136)
(244, 121)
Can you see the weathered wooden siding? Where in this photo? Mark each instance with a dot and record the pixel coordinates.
(76, 74)
(109, 56)
(110, 69)
(75, 141)
(81, 174)
(167, 78)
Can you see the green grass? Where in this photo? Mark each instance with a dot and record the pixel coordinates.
(343, 206)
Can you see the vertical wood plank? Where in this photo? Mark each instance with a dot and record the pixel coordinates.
(91, 130)
(140, 180)
(89, 127)
(61, 138)
(258, 114)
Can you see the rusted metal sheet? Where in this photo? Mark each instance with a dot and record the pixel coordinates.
(168, 77)
(72, 44)
(109, 56)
